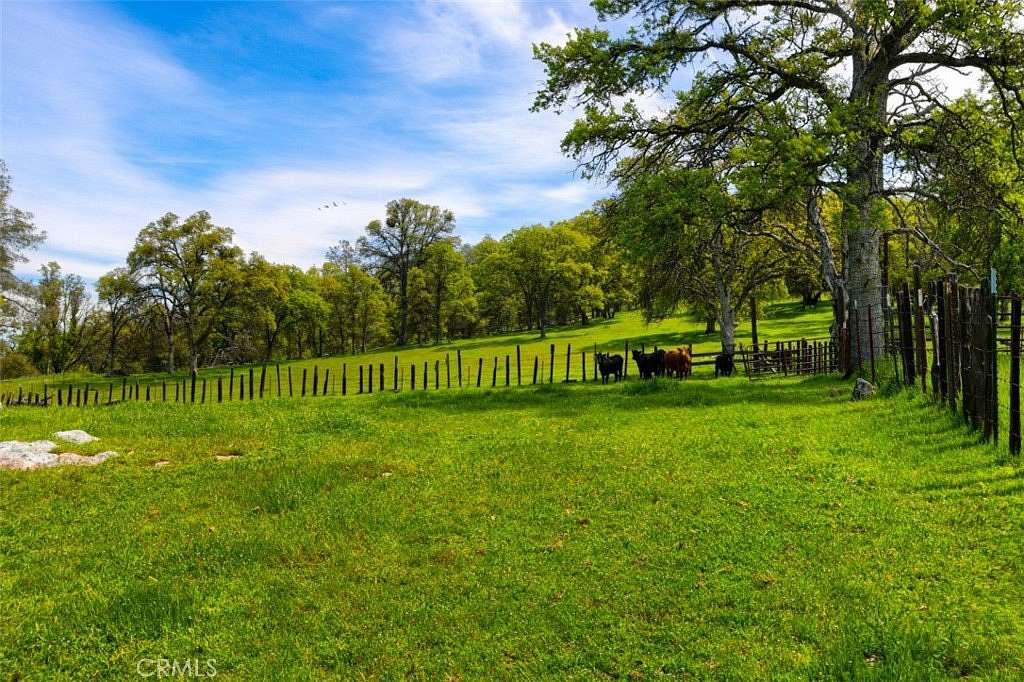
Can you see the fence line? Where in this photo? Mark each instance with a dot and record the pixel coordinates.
(964, 325)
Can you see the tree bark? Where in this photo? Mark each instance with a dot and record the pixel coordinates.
(726, 311)
(403, 307)
(861, 215)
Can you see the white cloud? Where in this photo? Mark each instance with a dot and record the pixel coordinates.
(69, 99)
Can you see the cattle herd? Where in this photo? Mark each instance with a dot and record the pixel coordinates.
(677, 362)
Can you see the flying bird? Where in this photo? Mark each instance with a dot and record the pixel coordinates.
(333, 204)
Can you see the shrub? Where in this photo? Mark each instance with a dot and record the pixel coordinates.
(14, 365)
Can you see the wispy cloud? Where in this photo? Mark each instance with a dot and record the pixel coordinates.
(105, 135)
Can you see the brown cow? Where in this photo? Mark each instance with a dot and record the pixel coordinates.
(678, 363)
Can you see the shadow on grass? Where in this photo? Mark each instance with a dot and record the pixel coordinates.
(556, 335)
(572, 398)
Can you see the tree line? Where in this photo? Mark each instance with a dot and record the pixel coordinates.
(188, 296)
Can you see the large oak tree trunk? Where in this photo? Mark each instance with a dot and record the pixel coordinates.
(862, 214)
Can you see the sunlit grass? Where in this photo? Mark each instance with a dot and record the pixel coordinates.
(784, 320)
(710, 528)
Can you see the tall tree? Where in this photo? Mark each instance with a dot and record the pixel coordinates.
(62, 332)
(18, 233)
(499, 304)
(122, 295)
(192, 268)
(393, 248)
(541, 261)
(692, 240)
(442, 266)
(839, 82)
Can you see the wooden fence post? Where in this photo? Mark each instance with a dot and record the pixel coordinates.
(344, 378)
(922, 351)
(535, 362)
(316, 380)
(203, 401)
(1015, 353)
(263, 379)
(241, 387)
(992, 349)
(447, 370)
(303, 382)
(479, 371)
(412, 376)
(551, 367)
(327, 380)
(568, 360)
(290, 392)
(231, 384)
(458, 362)
(494, 373)
(278, 366)
(220, 389)
(251, 383)
(425, 379)
(871, 346)
(380, 374)
(395, 379)
(360, 379)
(369, 379)
(437, 375)
(519, 367)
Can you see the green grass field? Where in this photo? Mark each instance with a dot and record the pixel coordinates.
(782, 321)
(699, 529)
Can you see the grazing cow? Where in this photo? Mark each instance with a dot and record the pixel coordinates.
(724, 365)
(610, 366)
(678, 363)
(659, 362)
(648, 364)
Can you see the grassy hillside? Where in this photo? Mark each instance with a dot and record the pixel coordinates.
(705, 528)
(782, 321)
(702, 529)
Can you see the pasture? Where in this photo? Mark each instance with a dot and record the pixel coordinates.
(708, 528)
(785, 320)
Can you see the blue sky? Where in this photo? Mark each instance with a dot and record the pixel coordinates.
(113, 114)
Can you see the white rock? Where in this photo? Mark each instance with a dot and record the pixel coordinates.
(863, 389)
(38, 454)
(76, 436)
(79, 460)
(21, 455)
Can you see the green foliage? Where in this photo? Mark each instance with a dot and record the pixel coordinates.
(193, 271)
(59, 336)
(18, 233)
(14, 365)
(396, 246)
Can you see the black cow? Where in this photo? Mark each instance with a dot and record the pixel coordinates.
(649, 364)
(724, 365)
(610, 366)
(659, 359)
